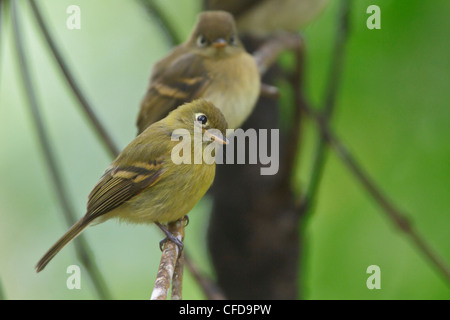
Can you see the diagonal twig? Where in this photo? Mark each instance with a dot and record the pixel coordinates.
(86, 107)
(270, 51)
(399, 218)
(155, 11)
(81, 246)
(210, 288)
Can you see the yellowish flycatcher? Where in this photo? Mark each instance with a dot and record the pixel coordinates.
(144, 185)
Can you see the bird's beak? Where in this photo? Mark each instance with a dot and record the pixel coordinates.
(215, 137)
(219, 43)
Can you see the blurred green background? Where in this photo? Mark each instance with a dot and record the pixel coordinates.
(393, 113)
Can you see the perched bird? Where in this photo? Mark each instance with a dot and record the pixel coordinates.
(211, 64)
(144, 185)
(265, 17)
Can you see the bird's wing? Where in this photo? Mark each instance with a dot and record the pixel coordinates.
(121, 183)
(184, 80)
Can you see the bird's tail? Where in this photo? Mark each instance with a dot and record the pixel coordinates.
(71, 234)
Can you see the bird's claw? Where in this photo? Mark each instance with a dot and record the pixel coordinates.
(186, 220)
(175, 240)
(171, 237)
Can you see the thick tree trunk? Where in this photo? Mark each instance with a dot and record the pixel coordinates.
(253, 235)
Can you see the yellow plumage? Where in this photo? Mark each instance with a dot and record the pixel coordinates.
(143, 184)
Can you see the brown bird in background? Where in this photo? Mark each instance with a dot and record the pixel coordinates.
(265, 17)
(212, 64)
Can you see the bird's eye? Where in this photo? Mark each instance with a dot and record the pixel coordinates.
(202, 119)
(232, 40)
(201, 41)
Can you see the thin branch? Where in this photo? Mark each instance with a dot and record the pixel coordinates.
(399, 218)
(86, 107)
(269, 91)
(270, 51)
(155, 11)
(2, 292)
(334, 80)
(82, 248)
(3, 22)
(299, 101)
(170, 271)
(209, 287)
(177, 279)
(168, 263)
(338, 57)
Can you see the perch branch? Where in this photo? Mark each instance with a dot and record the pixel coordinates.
(177, 279)
(86, 107)
(81, 246)
(168, 265)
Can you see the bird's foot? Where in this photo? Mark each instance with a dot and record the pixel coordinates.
(171, 237)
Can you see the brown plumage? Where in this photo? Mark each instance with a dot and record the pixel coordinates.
(266, 17)
(211, 64)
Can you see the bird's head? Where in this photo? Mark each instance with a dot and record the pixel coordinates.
(200, 116)
(215, 34)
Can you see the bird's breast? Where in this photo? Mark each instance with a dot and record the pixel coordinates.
(234, 88)
(172, 197)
